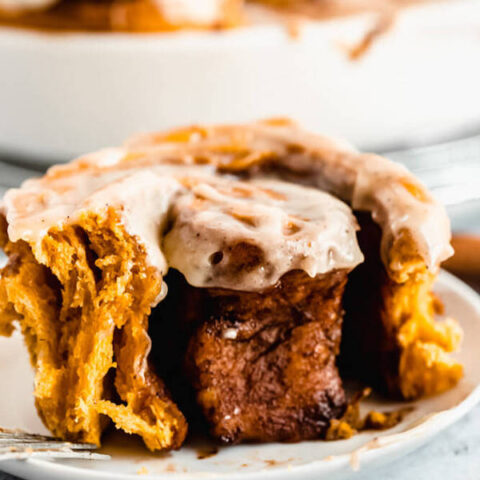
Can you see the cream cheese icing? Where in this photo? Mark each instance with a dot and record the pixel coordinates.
(290, 227)
(397, 200)
(219, 186)
(180, 12)
(294, 227)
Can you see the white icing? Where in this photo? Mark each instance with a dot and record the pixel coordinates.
(191, 11)
(387, 194)
(367, 182)
(293, 227)
(153, 181)
(149, 197)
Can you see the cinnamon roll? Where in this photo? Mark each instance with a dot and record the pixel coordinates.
(167, 15)
(237, 273)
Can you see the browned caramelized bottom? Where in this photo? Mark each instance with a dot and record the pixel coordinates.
(262, 365)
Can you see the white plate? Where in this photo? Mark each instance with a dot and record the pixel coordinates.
(62, 95)
(301, 461)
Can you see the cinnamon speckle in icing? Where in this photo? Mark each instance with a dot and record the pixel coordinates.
(320, 244)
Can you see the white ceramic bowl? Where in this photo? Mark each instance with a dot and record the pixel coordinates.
(64, 94)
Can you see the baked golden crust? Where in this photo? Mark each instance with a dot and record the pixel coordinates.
(83, 301)
(391, 338)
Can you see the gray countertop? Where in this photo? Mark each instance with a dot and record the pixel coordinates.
(453, 454)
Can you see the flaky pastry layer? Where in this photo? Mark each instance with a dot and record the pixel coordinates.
(83, 295)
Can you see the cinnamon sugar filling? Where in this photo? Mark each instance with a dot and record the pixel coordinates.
(256, 366)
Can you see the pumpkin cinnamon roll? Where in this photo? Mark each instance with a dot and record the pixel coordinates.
(167, 15)
(236, 273)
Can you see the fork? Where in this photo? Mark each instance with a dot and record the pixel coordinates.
(18, 445)
(451, 170)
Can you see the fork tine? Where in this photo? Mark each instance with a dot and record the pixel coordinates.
(17, 444)
(24, 435)
(44, 444)
(6, 433)
(53, 454)
(19, 436)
